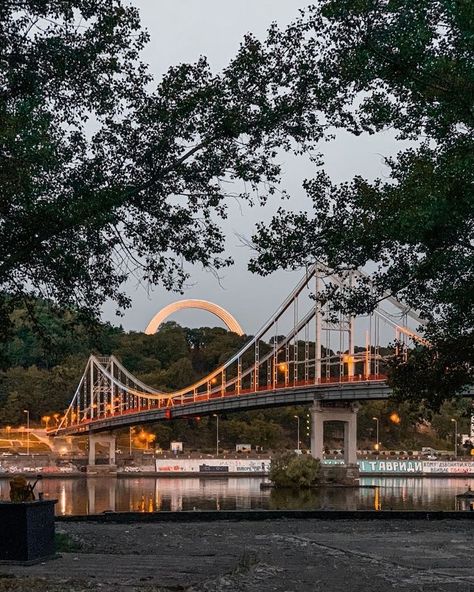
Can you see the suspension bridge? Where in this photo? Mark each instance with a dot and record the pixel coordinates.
(303, 354)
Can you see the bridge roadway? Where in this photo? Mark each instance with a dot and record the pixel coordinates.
(359, 390)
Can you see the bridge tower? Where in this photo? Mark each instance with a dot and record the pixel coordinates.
(341, 412)
(108, 440)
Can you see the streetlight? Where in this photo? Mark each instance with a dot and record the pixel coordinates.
(46, 419)
(130, 432)
(27, 431)
(377, 444)
(217, 433)
(283, 368)
(298, 432)
(455, 437)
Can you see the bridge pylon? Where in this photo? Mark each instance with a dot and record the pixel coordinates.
(343, 412)
(109, 440)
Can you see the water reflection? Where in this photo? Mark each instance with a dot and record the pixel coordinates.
(93, 496)
(314, 499)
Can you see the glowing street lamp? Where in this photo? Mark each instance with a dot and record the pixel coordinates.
(284, 369)
(395, 418)
(377, 444)
(46, 419)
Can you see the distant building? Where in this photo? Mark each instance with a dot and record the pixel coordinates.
(176, 447)
(243, 448)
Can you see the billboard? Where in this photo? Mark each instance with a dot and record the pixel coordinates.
(176, 447)
(448, 467)
(212, 465)
(391, 466)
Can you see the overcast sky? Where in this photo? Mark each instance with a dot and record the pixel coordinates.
(181, 31)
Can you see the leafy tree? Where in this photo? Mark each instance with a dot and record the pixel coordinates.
(293, 470)
(44, 336)
(101, 177)
(180, 374)
(35, 389)
(442, 422)
(212, 346)
(369, 66)
(142, 354)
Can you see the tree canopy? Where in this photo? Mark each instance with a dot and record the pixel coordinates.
(105, 172)
(405, 66)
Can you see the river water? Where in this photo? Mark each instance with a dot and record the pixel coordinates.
(148, 494)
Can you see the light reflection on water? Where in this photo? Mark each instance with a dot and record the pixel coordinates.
(148, 494)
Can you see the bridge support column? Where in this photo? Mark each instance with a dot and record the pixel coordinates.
(345, 413)
(106, 440)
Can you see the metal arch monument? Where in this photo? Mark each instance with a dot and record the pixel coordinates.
(301, 355)
(225, 316)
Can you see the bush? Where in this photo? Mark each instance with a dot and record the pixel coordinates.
(294, 470)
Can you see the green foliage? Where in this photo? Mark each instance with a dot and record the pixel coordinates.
(180, 374)
(212, 346)
(65, 543)
(294, 470)
(142, 353)
(405, 66)
(43, 335)
(141, 187)
(39, 390)
(104, 170)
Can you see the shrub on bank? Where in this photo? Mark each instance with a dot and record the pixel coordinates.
(295, 470)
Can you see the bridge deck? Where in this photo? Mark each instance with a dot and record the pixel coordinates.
(209, 403)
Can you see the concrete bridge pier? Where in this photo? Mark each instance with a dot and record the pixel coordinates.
(109, 441)
(346, 413)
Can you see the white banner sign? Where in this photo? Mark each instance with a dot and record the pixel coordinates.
(448, 467)
(212, 465)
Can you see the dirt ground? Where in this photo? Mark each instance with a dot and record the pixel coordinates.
(272, 555)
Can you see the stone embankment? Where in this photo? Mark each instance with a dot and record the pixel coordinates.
(271, 555)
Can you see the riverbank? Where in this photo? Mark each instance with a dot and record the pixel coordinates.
(110, 517)
(277, 555)
(200, 466)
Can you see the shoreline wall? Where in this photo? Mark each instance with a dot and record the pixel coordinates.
(412, 467)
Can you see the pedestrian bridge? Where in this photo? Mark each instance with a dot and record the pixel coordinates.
(304, 354)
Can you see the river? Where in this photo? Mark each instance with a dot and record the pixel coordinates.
(148, 494)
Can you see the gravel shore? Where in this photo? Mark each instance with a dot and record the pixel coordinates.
(272, 555)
